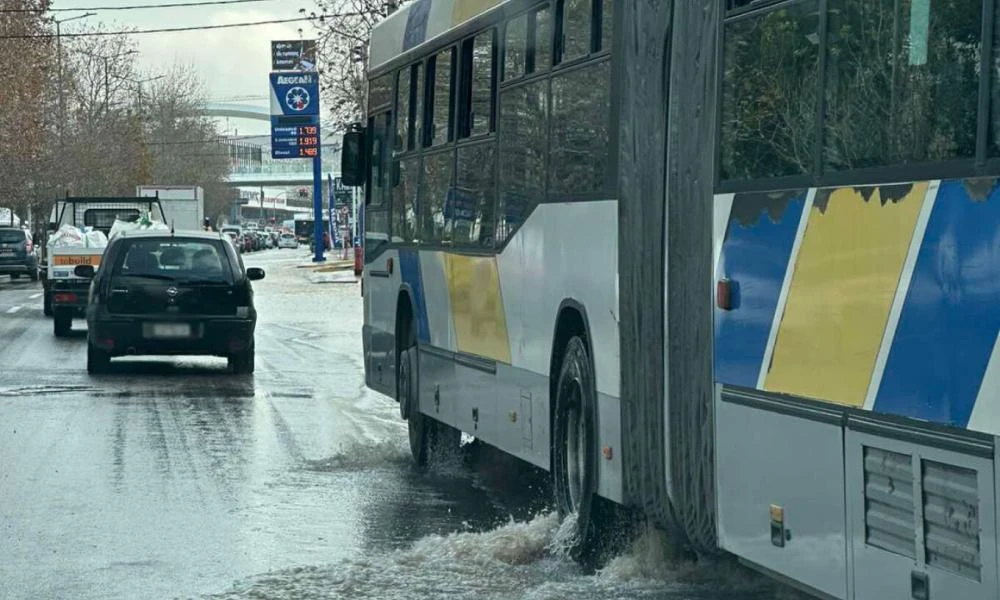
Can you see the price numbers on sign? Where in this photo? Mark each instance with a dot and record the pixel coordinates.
(309, 130)
(309, 141)
(308, 152)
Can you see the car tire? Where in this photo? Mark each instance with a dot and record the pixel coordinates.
(14, 276)
(602, 527)
(47, 304)
(98, 360)
(62, 323)
(242, 363)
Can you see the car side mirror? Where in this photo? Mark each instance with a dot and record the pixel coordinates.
(352, 158)
(255, 273)
(85, 271)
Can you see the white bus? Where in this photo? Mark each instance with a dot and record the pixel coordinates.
(730, 264)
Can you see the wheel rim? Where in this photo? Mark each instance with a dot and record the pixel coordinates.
(576, 442)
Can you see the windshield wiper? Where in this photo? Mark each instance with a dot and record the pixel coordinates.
(201, 280)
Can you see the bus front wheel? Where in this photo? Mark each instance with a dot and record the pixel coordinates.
(599, 524)
(430, 440)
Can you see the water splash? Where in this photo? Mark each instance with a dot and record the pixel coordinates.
(517, 560)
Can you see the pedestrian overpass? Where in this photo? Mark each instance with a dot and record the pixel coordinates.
(273, 173)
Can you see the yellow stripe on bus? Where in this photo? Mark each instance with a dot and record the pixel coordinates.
(476, 306)
(842, 289)
(467, 9)
(73, 260)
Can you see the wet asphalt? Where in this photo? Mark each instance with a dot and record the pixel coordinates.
(172, 478)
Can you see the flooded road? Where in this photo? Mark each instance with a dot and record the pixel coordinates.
(171, 478)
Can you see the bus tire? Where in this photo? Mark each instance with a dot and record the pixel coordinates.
(430, 440)
(599, 526)
(47, 304)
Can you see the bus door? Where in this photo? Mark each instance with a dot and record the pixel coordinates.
(379, 288)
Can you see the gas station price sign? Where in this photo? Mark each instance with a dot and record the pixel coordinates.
(294, 137)
(295, 115)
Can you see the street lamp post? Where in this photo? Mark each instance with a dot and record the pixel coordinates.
(107, 76)
(138, 84)
(59, 69)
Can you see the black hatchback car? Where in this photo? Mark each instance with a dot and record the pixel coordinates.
(159, 293)
(17, 254)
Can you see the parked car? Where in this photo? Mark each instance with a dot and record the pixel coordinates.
(287, 240)
(234, 239)
(18, 255)
(171, 294)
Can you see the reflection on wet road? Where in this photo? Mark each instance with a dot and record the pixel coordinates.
(173, 478)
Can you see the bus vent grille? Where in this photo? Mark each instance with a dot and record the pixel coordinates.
(951, 519)
(890, 523)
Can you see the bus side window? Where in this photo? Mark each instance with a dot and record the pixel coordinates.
(442, 76)
(477, 84)
(402, 111)
(574, 29)
(540, 34)
(515, 44)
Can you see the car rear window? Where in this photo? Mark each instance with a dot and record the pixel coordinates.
(11, 236)
(175, 258)
(104, 218)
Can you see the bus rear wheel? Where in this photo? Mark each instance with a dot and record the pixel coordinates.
(430, 440)
(601, 528)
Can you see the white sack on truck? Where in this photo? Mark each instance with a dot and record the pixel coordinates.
(144, 223)
(69, 236)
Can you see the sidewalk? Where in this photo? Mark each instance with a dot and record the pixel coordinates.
(334, 270)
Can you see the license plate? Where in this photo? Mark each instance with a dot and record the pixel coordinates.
(6, 251)
(168, 330)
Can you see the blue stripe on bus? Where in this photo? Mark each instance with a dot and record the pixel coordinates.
(416, 24)
(409, 270)
(754, 257)
(950, 318)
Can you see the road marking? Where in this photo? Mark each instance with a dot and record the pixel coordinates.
(13, 310)
(35, 296)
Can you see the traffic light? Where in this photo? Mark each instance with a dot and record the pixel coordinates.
(206, 224)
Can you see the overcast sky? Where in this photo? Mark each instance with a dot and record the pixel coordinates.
(234, 63)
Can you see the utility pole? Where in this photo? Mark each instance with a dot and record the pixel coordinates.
(59, 74)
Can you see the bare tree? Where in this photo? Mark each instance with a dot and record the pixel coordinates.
(184, 147)
(25, 133)
(345, 32)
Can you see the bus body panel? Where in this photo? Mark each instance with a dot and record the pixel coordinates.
(484, 361)
(880, 298)
(434, 285)
(767, 460)
(564, 251)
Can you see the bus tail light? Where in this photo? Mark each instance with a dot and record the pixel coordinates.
(64, 298)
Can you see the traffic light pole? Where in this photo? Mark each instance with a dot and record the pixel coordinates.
(318, 244)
